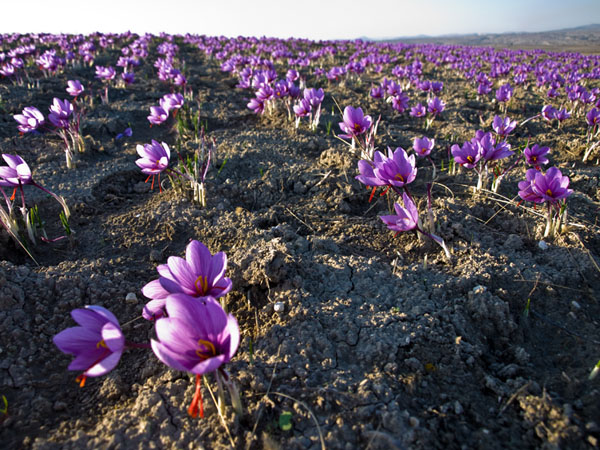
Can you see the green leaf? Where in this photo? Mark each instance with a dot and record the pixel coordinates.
(285, 421)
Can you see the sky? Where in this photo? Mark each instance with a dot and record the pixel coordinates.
(312, 19)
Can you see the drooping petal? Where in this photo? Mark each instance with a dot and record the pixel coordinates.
(104, 366)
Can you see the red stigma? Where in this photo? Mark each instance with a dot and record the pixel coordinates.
(197, 405)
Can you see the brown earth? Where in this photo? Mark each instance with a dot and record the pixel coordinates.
(382, 343)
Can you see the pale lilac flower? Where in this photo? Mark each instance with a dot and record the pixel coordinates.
(423, 146)
(536, 155)
(418, 110)
(60, 112)
(200, 274)
(154, 157)
(257, 106)
(503, 126)
(435, 106)
(30, 120)
(17, 172)
(549, 113)
(74, 87)
(355, 122)
(171, 102)
(468, 155)
(157, 115)
(405, 219)
(97, 343)
(397, 169)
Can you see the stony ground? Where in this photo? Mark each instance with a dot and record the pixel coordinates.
(382, 343)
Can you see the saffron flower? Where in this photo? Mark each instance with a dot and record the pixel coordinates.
(105, 73)
(256, 105)
(423, 146)
(536, 155)
(551, 186)
(97, 343)
(405, 219)
(200, 274)
(435, 106)
(377, 92)
(526, 191)
(468, 155)
(60, 112)
(157, 115)
(397, 169)
(504, 93)
(197, 337)
(17, 172)
(355, 122)
(171, 102)
(549, 113)
(418, 110)
(593, 117)
(503, 126)
(74, 88)
(31, 119)
(154, 157)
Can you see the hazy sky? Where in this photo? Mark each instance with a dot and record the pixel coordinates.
(314, 19)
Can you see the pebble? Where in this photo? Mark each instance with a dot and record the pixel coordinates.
(131, 297)
(575, 305)
(543, 245)
(279, 307)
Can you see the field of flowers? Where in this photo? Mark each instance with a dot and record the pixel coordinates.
(262, 243)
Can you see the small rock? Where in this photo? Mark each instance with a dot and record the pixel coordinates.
(479, 290)
(543, 245)
(131, 298)
(458, 409)
(413, 422)
(575, 305)
(279, 307)
(141, 187)
(155, 256)
(59, 406)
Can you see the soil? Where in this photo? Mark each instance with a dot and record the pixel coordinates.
(381, 343)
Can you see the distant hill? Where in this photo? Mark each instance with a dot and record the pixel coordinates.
(585, 39)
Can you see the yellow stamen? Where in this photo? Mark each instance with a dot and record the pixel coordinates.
(210, 349)
(101, 344)
(201, 289)
(549, 192)
(399, 177)
(470, 159)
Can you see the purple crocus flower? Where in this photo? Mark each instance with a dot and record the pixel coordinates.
(423, 146)
(526, 191)
(74, 87)
(303, 108)
(435, 106)
(536, 155)
(256, 105)
(549, 113)
(397, 169)
(468, 155)
(128, 77)
(171, 102)
(17, 172)
(198, 337)
(200, 274)
(355, 122)
(405, 219)
(504, 93)
(154, 157)
(400, 102)
(551, 186)
(126, 133)
(105, 73)
(562, 114)
(97, 343)
(157, 115)
(593, 117)
(503, 126)
(30, 120)
(60, 112)
(377, 92)
(314, 96)
(418, 110)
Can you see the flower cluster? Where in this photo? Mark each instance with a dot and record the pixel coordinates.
(194, 334)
